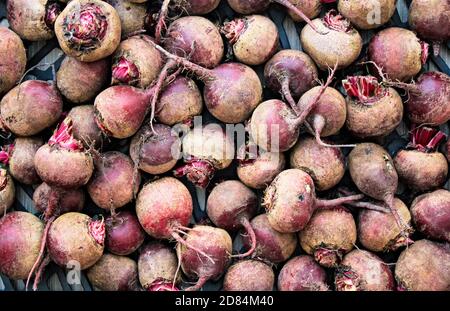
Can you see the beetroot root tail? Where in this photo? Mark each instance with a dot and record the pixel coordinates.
(324, 204)
(182, 241)
(161, 25)
(40, 270)
(200, 283)
(248, 228)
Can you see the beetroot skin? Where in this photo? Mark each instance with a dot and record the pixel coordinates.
(133, 15)
(157, 267)
(431, 214)
(201, 7)
(13, 59)
(124, 234)
(70, 200)
(84, 127)
(7, 191)
(76, 236)
(21, 159)
(21, 235)
(363, 271)
(362, 13)
(249, 275)
(113, 273)
(424, 266)
(215, 243)
(302, 273)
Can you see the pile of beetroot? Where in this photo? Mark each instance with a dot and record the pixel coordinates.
(114, 144)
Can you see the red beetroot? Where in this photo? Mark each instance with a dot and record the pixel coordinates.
(21, 235)
(31, 107)
(33, 20)
(231, 92)
(249, 275)
(13, 59)
(201, 7)
(113, 184)
(19, 156)
(254, 38)
(329, 235)
(80, 82)
(424, 266)
(367, 14)
(420, 166)
(230, 205)
(428, 100)
(136, 62)
(155, 152)
(114, 273)
(71, 200)
(363, 271)
(291, 73)
(63, 162)
(133, 15)
(379, 232)
(429, 18)
(431, 214)
(157, 268)
(398, 61)
(325, 165)
(179, 102)
(88, 30)
(216, 247)
(76, 237)
(205, 149)
(302, 273)
(337, 43)
(271, 245)
(197, 37)
(84, 127)
(124, 234)
(372, 109)
(7, 191)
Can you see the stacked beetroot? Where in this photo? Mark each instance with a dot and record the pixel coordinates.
(127, 139)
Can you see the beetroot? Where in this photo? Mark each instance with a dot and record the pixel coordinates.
(232, 90)
(424, 266)
(7, 191)
(113, 273)
(88, 30)
(124, 234)
(379, 232)
(179, 102)
(31, 107)
(431, 214)
(230, 205)
(163, 207)
(196, 37)
(84, 127)
(254, 38)
(19, 156)
(111, 185)
(363, 271)
(201, 7)
(429, 18)
(13, 59)
(338, 43)
(249, 275)
(302, 273)
(205, 149)
(271, 245)
(62, 162)
(325, 165)
(216, 247)
(71, 200)
(372, 109)
(136, 62)
(80, 82)
(33, 20)
(76, 236)
(311, 8)
(329, 235)
(290, 201)
(155, 152)
(291, 73)
(258, 170)
(157, 268)
(428, 99)
(420, 166)
(21, 237)
(133, 15)
(398, 61)
(367, 14)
